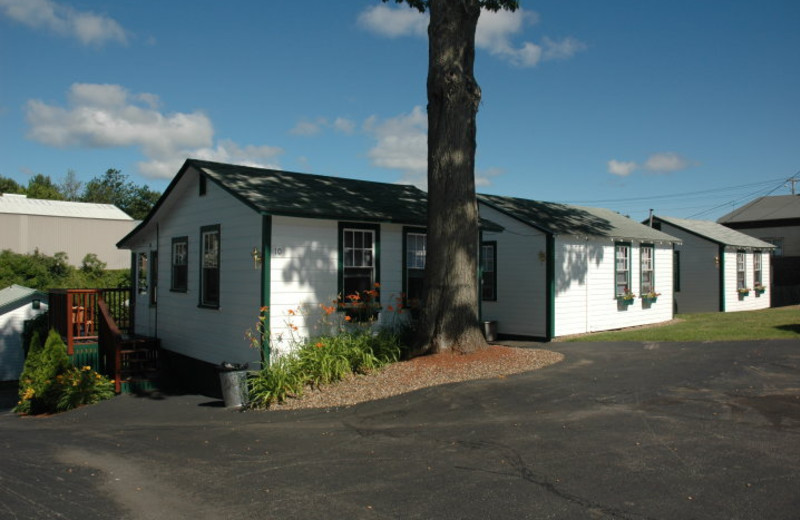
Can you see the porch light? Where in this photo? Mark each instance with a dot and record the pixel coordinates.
(257, 258)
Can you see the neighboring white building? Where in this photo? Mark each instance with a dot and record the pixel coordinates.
(716, 266)
(558, 269)
(75, 228)
(17, 305)
(228, 240)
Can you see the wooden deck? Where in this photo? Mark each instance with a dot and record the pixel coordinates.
(97, 327)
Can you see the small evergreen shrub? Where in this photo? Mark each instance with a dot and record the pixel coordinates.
(49, 383)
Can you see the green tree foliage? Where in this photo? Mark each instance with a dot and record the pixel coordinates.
(113, 187)
(8, 185)
(43, 272)
(42, 187)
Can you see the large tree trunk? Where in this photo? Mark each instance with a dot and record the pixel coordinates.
(449, 317)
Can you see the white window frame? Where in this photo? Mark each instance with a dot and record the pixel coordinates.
(647, 253)
(622, 266)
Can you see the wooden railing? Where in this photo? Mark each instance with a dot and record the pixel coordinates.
(74, 313)
(109, 348)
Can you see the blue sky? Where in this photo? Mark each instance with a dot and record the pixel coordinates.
(691, 108)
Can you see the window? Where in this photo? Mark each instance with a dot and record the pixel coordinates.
(489, 271)
(202, 185)
(676, 271)
(741, 280)
(646, 264)
(141, 273)
(358, 246)
(180, 264)
(153, 277)
(209, 266)
(415, 255)
(622, 269)
(757, 280)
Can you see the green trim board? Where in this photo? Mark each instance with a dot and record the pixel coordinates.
(266, 286)
(721, 273)
(550, 287)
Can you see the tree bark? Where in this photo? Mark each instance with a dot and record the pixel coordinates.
(449, 315)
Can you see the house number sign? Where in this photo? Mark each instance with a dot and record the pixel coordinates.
(277, 251)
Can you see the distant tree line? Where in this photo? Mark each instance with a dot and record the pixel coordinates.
(43, 272)
(112, 187)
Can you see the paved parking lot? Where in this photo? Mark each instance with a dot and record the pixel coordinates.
(617, 430)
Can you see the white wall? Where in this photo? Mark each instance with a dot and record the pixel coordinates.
(304, 275)
(12, 354)
(733, 300)
(211, 335)
(585, 289)
(521, 306)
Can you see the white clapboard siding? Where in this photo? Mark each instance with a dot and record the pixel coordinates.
(12, 353)
(521, 306)
(733, 300)
(211, 335)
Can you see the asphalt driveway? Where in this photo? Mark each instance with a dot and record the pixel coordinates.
(617, 430)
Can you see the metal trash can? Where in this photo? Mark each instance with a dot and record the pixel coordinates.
(233, 381)
(490, 330)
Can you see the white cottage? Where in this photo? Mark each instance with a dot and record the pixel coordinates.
(17, 305)
(224, 241)
(718, 268)
(558, 269)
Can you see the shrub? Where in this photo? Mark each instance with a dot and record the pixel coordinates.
(49, 383)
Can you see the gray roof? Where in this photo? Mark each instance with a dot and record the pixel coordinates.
(278, 192)
(21, 205)
(779, 207)
(566, 219)
(716, 232)
(12, 295)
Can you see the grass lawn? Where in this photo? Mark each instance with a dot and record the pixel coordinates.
(778, 323)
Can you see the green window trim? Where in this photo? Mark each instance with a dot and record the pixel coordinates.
(413, 276)
(741, 269)
(210, 267)
(375, 275)
(488, 264)
(620, 285)
(758, 266)
(647, 286)
(179, 264)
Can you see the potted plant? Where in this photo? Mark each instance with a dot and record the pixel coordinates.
(626, 298)
(759, 289)
(651, 296)
(743, 291)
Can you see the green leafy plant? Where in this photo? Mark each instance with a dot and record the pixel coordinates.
(349, 346)
(49, 383)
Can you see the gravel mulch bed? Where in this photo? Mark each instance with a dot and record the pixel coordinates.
(423, 372)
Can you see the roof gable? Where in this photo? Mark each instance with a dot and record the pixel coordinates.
(778, 207)
(714, 232)
(566, 219)
(14, 295)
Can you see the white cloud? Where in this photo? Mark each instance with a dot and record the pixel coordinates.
(662, 162)
(309, 128)
(666, 162)
(494, 33)
(87, 27)
(108, 116)
(483, 178)
(621, 168)
(401, 144)
(393, 22)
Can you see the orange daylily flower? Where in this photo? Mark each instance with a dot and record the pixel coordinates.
(347, 318)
